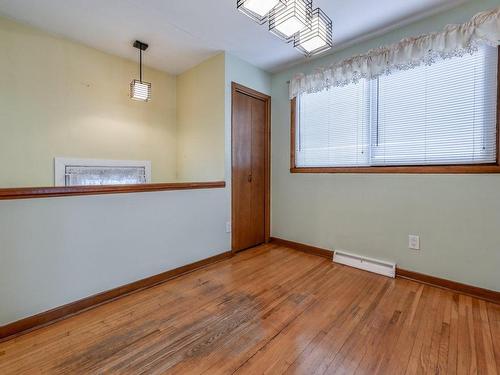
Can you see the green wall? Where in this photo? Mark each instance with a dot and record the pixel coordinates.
(456, 216)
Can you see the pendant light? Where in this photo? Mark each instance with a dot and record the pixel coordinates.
(318, 38)
(140, 90)
(258, 10)
(287, 21)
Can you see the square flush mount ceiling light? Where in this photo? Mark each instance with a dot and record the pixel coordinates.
(286, 21)
(258, 9)
(140, 90)
(318, 38)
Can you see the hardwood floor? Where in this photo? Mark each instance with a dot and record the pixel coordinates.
(270, 310)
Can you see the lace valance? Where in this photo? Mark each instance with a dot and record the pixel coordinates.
(454, 40)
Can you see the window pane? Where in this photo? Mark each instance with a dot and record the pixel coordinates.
(439, 114)
(82, 176)
(333, 127)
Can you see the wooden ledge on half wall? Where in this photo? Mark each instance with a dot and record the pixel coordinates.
(64, 191)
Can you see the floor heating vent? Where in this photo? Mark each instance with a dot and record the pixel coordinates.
(368, 264)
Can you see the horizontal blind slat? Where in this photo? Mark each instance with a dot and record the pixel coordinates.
(444, 113)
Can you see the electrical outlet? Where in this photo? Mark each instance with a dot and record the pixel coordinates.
(228, 227)
(414, 242)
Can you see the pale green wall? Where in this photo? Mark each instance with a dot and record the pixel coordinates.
(58, 250)
(200, 121)
(60, 98)
(245, 74)
(457, 217)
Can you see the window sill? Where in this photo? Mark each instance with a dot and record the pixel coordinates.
(434, 169)
(46, 192)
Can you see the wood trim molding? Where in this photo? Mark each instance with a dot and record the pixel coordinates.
(236, 87)
(498, 108)
(431, 169)
(293, 134)
(469, 290)
(328, 254)
(46, 318)
(250, 92)
(46, 192)
(420, 169)
(473, 291)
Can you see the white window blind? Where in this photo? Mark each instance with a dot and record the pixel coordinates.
(441, 114)
(334, 127)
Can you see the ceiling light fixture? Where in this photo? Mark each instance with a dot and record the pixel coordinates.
(287, 21)
(258, 10)
(318, 38)
(140, 90)
(293, 20)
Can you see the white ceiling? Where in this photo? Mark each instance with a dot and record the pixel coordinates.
(183, 33)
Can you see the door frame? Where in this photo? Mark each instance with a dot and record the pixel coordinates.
(238, 88)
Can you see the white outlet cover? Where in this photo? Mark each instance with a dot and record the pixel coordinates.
(414, 242)
(228, 227)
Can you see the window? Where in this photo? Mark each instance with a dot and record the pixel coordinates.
(444, 114)
(85, 172)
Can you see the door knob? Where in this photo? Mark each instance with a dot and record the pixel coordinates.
(250, 177)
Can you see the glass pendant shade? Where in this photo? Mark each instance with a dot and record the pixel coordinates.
(140, 90)
(258, 10)
(318, 38)
(286, 21)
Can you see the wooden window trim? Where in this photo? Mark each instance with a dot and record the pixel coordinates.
(415, 169)
(46, 192)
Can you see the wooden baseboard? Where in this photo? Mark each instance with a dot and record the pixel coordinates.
(43, 319)
(473, 291)
(328, 254)
(19, 327)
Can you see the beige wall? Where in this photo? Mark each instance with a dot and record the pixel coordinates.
(200, 121)
(59, 98)
(457, 217)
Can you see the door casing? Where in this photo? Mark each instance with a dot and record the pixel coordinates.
(237, 88)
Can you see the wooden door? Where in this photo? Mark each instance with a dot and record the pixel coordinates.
(250, 168)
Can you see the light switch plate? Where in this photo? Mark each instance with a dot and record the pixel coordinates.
(228, 227)
(414, 242)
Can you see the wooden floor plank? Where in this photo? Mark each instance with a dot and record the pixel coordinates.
(483, 339)
(391, 321)
(270, 310)
(494, 324)
(179, 330)
(332, 311)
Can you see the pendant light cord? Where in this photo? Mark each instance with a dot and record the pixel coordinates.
(140, 65)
